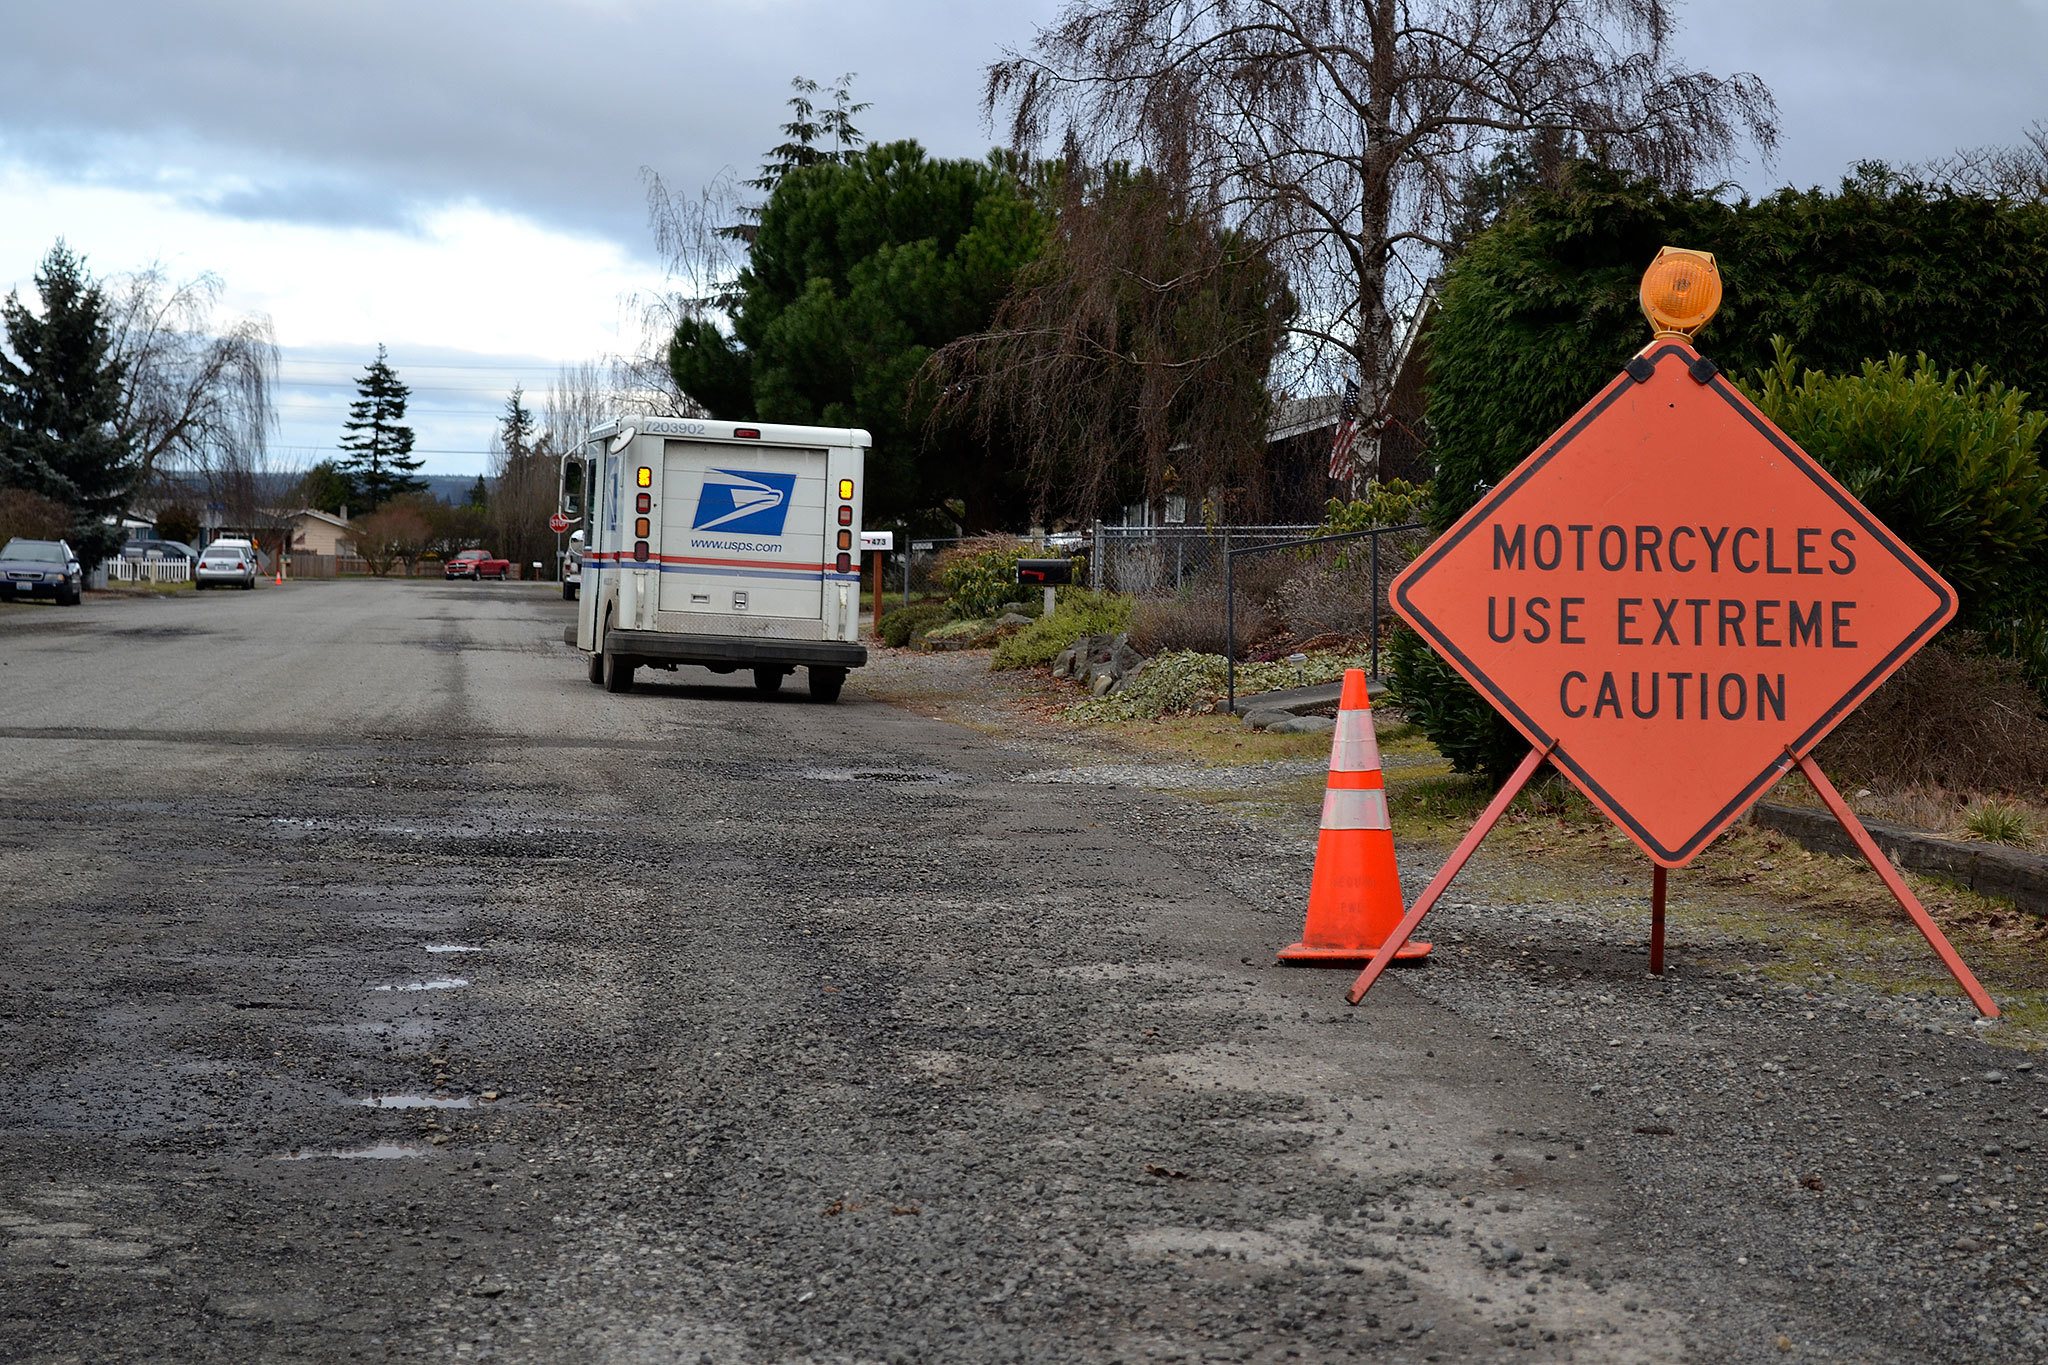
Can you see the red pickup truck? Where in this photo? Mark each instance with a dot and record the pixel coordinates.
(478, 564)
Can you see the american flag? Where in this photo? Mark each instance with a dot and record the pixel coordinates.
(1346, 436)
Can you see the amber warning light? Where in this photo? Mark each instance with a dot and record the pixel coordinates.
(1680, 291)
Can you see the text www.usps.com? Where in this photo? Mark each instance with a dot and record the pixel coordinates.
(772, 547)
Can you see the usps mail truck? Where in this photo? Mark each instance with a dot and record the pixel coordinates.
(722, 545)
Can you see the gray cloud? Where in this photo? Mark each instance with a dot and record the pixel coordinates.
(363, 111)
(368, 111)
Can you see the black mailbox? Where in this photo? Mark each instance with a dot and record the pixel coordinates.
(1050, 573)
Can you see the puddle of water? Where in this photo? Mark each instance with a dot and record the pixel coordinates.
(439, 983)
(419, 1102)
(451, 948)
(383, 1151)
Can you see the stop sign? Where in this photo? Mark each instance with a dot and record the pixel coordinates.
(558, 523)
(1673, 599)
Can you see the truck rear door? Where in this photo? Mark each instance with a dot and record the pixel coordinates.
(743, 531)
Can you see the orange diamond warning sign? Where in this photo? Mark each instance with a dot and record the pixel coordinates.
(1674, 598)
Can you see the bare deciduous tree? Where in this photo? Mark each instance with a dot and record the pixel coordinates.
(196, 390)
(1339, 134)
(397, 531)
(2017, 171)
(700, 244)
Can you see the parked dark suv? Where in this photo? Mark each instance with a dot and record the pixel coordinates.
(169, 549)
(41, 568)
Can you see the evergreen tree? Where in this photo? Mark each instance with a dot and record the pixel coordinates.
(479, 493)
(515, 428)
(60, 394)
(379, 462)
(326, 488)
(808, 124)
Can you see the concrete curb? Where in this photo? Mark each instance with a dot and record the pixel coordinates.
(1988, 869)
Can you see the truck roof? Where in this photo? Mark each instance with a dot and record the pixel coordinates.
(708, 429)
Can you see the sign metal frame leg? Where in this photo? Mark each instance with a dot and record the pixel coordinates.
(1453, 865)
(1658, 875)
(1896, 884)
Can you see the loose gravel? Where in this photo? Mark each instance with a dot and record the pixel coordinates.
(843, 1034)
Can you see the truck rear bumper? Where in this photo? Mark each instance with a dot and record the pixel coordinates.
(662, 647)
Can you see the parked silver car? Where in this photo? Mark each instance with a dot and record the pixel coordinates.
(225, 565)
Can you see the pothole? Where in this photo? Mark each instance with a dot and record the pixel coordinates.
(383, 1151)
(418, 1102)
(875, 775)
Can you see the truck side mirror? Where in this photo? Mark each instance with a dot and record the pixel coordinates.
(572, 490)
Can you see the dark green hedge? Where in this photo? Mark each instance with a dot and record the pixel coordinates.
(1540, 311)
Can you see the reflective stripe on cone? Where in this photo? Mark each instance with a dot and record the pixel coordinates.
(1355, 810)
(1354, 748)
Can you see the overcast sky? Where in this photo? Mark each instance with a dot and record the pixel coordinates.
(461, 180)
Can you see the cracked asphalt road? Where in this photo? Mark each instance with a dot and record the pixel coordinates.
(377, 989)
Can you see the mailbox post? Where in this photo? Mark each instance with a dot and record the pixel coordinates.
(881, 542)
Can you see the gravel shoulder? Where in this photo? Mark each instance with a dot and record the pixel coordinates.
(919, 1027)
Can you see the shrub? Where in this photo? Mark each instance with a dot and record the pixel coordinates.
(31, 515)
(980, 576)
(1194, 619)
(1459, 722)
(1949, 461)
(1953, 716)
(1328, 599)
(1188, 683)
(1076, 612)
(1393, 502)
(903, 625)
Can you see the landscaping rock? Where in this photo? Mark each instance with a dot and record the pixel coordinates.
(1302, 725)
(1266, 720)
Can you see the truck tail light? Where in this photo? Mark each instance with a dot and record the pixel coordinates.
(645, 478)
(846, 540)
(746, 433)
(846, 489)
(846, 516)
(640, 551)
(640, 527)
(845, 563)
(642, 502)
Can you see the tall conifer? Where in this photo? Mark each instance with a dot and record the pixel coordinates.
(60, 393)
(379, 462)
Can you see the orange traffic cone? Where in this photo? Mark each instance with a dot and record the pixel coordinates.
(1354, 900)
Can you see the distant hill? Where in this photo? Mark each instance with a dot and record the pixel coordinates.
(275, 489)
(451, 487)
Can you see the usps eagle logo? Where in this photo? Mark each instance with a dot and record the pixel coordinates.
(744, 502)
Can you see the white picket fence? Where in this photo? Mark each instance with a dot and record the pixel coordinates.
(177, 569)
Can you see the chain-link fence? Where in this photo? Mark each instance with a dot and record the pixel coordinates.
(1167, 561)
(1284, 595)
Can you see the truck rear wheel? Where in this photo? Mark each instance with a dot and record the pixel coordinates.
(826, 682)
(768, 681)
(618, 673)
